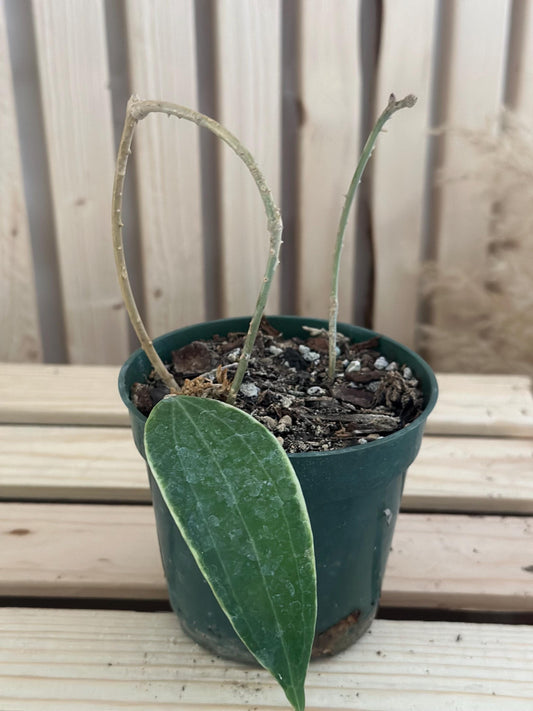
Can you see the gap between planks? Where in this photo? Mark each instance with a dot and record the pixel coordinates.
(102, 464)
(437, 561)
(79, 659)
(489, 405)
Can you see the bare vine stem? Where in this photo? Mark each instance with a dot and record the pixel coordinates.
(135, 112)
(391, 108)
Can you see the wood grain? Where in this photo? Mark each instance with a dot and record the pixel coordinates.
(80, 551)
(461, 562)
(21, 339)
(330, 86)
(437, 561)
(71, 463)
(102, 464)
(59, 660)
(61, 394)
(162, 58)
(74, 76)
(468, 404)
(474, 474)
(399, 185)
(483, 405)
(248, 75)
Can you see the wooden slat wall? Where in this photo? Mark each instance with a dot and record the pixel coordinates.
(521, 70)
(72, 59)
(399, 185)
(461, 59)
(161, 36)
(248, 72)
(18, 308)
(330, 95)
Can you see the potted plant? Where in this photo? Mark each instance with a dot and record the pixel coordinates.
(252, 537)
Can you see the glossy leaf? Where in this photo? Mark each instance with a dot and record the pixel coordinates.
(237, 502)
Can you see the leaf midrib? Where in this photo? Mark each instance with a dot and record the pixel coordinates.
(236, 506)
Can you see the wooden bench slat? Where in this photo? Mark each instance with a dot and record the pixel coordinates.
(461, 562)
(60, 395)
(73, 463)
(437, 561)
(475, 474)
(84, 659)
(489, 405)
(102, 464)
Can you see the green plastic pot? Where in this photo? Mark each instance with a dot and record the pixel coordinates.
(352, 495)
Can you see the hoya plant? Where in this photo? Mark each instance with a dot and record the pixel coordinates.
(225, 478)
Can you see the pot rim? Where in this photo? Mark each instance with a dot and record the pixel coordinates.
(421, 364)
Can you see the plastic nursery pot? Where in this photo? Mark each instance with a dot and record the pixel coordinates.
(352, 495)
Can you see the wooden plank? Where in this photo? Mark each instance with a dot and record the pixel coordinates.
(71, 463)
(437, 561)
(461, 562)
(80, 551)
(489, 405)
(248, 74)
(399, 183)
(72, 59)
(475, 474)
(21, 340)
(162, 57)
(473, 102)
(79, 659)
(330, 91)
(102, 464)
(483, 405)
(61, 394)
(521, 61)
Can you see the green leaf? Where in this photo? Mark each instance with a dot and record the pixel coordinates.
(237, 502)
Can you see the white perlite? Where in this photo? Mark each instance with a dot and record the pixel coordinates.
(287, 401)
(316, 390)
(381, 363)
(233, 356)
(275, 351)
(308, 354)
(353, 367)
(407, 373)
(249, 390)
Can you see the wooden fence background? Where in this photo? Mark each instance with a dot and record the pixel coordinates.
(300, 84)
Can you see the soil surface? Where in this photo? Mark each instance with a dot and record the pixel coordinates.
(287, 389)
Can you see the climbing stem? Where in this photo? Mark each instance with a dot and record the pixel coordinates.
(391, 108)
(137, 110)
